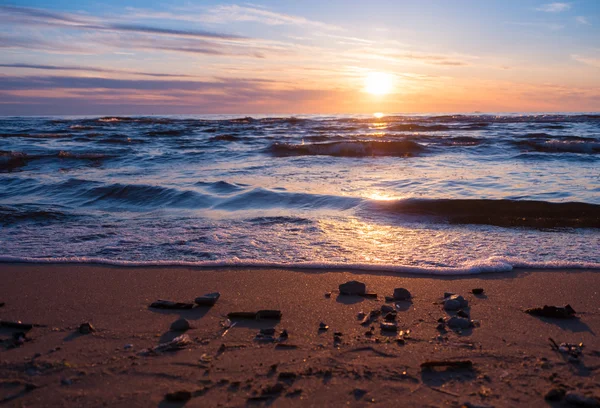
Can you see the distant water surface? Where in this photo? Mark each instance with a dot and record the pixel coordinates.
(419, 193)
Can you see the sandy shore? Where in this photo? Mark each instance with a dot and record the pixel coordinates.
(513, 362)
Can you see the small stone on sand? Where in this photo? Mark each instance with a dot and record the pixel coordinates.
(455, 302)
(456, 322)
(477, 291)
(389, 327)
(353, 288)
(207, 300)
(86, 328)
(180, 325)
(402, 294)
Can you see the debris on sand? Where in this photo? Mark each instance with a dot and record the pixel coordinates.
(388, 327)
(15, 325)
(168, 304)
(260, 315)
(180, 325)
(566, 312)
(385, 309)
(178, 396)
(323, 327)
(447, 363)
(390, 317)
(459, 323)
(178, 343)
(86, 328)
(402, 294)
(574, 351)
(353, 288)
(2, 304)
(327, 295)
(208, 299)
(455, 302)
(373, 315)
(477, 291)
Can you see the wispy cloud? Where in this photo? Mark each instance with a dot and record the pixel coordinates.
(582, 20)
(554, 7)
(542, 25)
(236, 13)
(593, 61)
(227, 14)
(91, 69)
(31, 16)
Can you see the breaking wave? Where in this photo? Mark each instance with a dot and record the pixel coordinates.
(489, 265)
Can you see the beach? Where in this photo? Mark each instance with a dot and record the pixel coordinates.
(511, 361)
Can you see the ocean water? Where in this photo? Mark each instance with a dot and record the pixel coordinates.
(431, 194)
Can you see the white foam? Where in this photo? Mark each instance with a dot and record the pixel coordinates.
(489, 265)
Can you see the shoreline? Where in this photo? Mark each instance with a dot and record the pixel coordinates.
(513, 363)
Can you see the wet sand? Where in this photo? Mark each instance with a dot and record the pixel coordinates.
(513, 363)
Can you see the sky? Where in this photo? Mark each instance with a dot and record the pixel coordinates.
(298, 57)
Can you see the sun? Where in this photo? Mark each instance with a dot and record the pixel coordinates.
(379, 83)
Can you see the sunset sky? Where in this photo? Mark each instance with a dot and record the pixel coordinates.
(286, 57)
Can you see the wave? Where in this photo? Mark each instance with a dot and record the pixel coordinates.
(16, 214)
(366, 148)
(418, 128)
(574, 145)
(145, 196)
(489, 265)
(504, 213)
(261, 198)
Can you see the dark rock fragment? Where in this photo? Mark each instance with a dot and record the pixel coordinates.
(207, 300)
(477, 291)
(180, 325)
(168, 304)
(402, 294)
(268, 314)
(353, 288)
(323, 327)
(566, 312)
(390, 317)
(86, 328)
(270, 331)
(388, 327)
(15, 325)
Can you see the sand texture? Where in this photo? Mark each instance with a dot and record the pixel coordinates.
(507, 358)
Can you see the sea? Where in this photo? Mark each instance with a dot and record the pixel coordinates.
(424, 194)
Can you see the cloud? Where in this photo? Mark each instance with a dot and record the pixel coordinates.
(235, 13)
(545, 26)
(554, 7)
(582, 20)
(89, 69)
(587, 60)
(31, 16)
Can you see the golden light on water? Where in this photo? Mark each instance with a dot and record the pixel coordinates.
(378, 115)
(379, 83)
